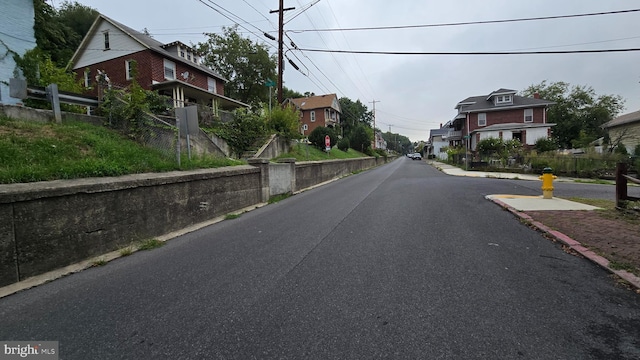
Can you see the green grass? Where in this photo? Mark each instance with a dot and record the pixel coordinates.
(41, 152)
(231, 216)
(304, 152)
(150, 244)
(276, 198)
(616, 265)
(595, 181)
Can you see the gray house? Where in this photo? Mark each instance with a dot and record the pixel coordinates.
(625, 130)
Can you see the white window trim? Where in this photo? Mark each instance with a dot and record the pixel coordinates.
(531, 115)
(482, 119)
(87, 78)
(212, 85)
(169, 65)
(127, 68)
(107, 41)
(312, 116)
(305, 127)
(504, 99)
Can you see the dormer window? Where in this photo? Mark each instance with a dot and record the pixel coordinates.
(503, 99)
(182, 53)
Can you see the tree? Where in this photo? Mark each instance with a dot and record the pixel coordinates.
(576, 109)
(360, 138)
(247, 65)
(353, 114)
(58, 33)
(396, 142)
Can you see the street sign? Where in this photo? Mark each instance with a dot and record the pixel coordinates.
(270, 83)
(327, 142)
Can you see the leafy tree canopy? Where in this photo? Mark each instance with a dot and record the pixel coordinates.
(246, 64)
(397, 142)
(59, 32)
(578, 111)
(354, 114)
(316, 137)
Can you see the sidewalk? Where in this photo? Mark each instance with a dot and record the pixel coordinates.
(518, 204)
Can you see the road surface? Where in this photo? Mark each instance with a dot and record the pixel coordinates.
(399, 262)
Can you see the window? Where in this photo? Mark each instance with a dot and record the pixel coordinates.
(503, 99)
(305, 127)
(181, 53)
(128, 64)
(528, 115)
(211, 84)
(106, 40)
(169, 70)
(312, 116)
(87, 78)
(482, 119)
(189, 56)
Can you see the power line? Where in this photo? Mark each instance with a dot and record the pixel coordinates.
(472, 53)
(470, 22)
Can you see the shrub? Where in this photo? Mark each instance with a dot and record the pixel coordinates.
(318, 134)
(489, 145)
(285, 121)
(621, 149)
(545, 144)
(343, 144)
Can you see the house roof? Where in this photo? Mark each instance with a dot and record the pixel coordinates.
(512, 126)
(316, 102)
(144, 40)
(437, 132)
(623, 120)
(484, 103)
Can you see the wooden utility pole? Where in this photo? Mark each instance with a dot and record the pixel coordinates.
(280, 11)
(374, 122)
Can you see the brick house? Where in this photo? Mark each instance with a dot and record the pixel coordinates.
(317, 110)
(173, 69)
(501, 114)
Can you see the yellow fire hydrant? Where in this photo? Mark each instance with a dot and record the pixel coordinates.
(547, 183)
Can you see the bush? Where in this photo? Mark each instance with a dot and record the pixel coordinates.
(285, 121)
(489, 145)
(545, 144)
(318, 134)
(343, 144)
(621, 149)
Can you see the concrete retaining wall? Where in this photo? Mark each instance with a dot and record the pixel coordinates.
(45, 226)
(48, 225)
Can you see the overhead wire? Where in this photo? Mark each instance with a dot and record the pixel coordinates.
(470, 22)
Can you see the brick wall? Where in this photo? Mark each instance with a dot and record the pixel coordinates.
(505, 117)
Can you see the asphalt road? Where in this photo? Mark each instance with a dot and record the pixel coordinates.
(399, 262)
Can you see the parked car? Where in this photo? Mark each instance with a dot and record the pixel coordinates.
(415, 156)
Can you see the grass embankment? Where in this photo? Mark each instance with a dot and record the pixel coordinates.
(304, 152)
(40, 152)
(609, 211)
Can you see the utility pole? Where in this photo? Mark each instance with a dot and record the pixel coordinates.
(280, 12)
(374, 122)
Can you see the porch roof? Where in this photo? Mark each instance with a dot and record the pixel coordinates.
(199, 94)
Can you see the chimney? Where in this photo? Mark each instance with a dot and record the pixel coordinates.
(440, 125)
(536, 95)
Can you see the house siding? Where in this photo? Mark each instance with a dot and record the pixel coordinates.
(506, 117)
(16, 34)
(630, 135)
(120, 45)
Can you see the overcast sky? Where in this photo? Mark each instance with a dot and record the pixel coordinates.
(417, 93)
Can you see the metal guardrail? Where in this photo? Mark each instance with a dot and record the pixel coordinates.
(40, 92)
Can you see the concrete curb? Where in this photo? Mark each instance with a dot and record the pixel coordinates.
(573, 244)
